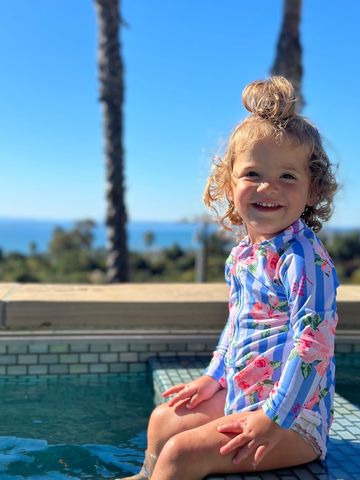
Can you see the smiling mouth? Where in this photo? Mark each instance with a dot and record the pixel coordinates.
(266, 206)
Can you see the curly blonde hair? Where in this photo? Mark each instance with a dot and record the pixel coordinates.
(272, 106)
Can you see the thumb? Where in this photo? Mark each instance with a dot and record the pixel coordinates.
(195, 400)
(260, 453)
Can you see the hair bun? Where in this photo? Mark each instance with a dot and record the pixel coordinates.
(272, 99)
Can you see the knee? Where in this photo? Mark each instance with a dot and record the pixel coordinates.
(177, 449)
(161, 413)
(160, 418)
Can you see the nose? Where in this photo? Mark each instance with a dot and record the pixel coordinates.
(267, 186)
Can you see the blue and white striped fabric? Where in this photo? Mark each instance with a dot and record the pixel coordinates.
(277, 348)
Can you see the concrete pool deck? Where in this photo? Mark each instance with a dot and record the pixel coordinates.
(343, 458)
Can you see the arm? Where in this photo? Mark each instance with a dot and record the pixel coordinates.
(309, 280)
(216, 367)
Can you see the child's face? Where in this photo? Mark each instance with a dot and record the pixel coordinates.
(270, 187)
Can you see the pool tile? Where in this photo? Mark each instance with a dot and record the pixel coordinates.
(119, 347)
(89, 357)
(59, 369)
(78, 368)
(99, 347)
(16, 370)
(49, 358)
(158, 347)
(16, 349)
(69, 358)
(138, 347)
(79, 347)
(98, 368)
(38, 369)
(59, 348)
(27, 359)
(129, 357)
(119, 367)
(38, 348)
(109, 357)
(7, 359)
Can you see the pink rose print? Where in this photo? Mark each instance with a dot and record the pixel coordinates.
(253, 373)
(242, 384)
(323, 259)
(316, 345)
(313, 400)
(252, 257)
(223, 382)
(260, 310)
(273, 391)
(261, 389)
(232, 269)
(274, 310)
(272, 260)
(261, 362)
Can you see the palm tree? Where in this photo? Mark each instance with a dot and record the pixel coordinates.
(112, 97)
(289, 51)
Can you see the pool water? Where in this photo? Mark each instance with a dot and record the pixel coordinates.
(348, 382)
(92, 428)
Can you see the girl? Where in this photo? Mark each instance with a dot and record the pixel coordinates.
(269, 386)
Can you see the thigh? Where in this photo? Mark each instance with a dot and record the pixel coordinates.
(200, 447)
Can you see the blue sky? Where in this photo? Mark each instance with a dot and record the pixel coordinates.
(186, 64)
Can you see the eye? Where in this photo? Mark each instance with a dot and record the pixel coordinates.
(251, 174)
(288, 176)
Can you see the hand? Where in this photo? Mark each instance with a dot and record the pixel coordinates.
(257, 434)
(194, 392)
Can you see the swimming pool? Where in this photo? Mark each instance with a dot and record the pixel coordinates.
(73, 428)
(348, 382)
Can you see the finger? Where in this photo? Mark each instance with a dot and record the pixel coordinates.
(260, 453)
(233, 444)
(174, 389)
(244, 452)
(186, 393)
(194, 401)
(231, 427)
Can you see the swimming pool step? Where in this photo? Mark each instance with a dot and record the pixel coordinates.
(343, 458)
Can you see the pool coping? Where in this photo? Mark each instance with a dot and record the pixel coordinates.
(127, 306)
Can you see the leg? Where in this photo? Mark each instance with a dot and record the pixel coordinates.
(165, 422)
(195, 453)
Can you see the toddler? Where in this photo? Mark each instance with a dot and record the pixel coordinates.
(265, 400)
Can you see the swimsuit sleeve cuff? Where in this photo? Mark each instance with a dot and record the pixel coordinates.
(284, 420)
(215, 369)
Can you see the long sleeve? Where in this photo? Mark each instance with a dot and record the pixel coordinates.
(309, 282)
(216, 366)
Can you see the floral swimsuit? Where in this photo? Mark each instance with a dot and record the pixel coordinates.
(276, 351)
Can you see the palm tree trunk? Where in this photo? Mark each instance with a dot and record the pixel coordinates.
(288, 60)
(112, 97)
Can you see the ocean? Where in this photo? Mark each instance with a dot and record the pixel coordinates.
(16, 235)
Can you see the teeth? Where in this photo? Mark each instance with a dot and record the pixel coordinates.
(263, 204)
